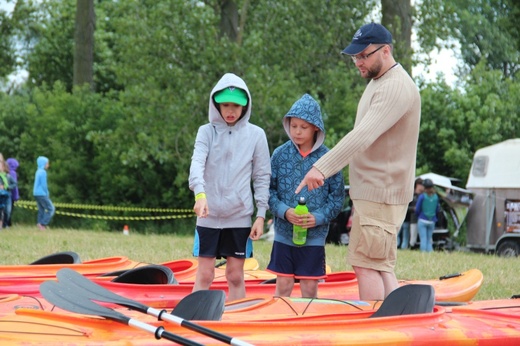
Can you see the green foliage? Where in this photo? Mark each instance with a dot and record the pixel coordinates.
(484, 30)
(456, 123)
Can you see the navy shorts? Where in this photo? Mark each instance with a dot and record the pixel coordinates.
(300, 262)
(223, 243)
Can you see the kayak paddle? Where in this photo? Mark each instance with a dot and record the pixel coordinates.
(208, 303)
(66, 298)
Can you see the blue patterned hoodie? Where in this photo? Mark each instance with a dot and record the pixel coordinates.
(288, 169)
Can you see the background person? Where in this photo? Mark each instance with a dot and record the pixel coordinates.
(13, 165)
(418, 189)
(404, 236)
(381, 151)
(426, 209)
(41, 193)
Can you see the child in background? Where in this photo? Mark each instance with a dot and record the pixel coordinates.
(41, 194)
(13, 165)
(229, 153)
(290, 162)
(426, 209)
(4, 195)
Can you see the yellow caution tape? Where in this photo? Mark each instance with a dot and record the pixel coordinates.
(107, 207)
(32, 205)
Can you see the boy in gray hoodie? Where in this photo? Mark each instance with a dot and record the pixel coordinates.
(229, 153)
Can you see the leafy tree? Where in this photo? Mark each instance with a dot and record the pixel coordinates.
(484, 29)
(7, 51)
(456, 123)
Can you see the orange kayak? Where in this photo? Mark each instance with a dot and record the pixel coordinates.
(341, 286)
(94, 267)
(443, 326)
(183, 270)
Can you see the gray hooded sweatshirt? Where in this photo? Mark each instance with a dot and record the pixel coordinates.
(225, 160)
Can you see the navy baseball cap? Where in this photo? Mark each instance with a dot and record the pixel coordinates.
(366, 35)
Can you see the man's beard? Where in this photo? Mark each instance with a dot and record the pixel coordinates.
(374, 71)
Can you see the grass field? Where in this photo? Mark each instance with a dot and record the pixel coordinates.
(22, 245)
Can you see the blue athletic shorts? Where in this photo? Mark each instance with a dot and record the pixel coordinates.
(301, 262)
(221, 243)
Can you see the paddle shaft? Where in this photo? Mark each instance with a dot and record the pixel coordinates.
(90, 289)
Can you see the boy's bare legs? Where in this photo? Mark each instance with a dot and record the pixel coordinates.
(235, 278)
(284, 286)
(373, 284)
(205, 273)
(309, 288)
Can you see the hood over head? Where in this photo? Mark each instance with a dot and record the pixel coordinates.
(229, 80)
(12, 163)
(306, 108)
(41, 161)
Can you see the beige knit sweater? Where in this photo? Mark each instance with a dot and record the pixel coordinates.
(381, 149)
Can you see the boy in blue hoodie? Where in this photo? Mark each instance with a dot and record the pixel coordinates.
(290, 162)
(229, 153)
(41, 194)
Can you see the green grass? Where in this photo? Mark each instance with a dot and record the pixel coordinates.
(22, 245)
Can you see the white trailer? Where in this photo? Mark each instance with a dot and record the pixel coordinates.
(493, 220)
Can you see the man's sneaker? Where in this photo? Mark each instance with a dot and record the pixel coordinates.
(41, 227)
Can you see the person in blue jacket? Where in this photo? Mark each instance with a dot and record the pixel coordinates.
(426, 209)
(289, 163)
(41, 193)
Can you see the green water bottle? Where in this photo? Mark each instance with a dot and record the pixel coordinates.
(300, 233)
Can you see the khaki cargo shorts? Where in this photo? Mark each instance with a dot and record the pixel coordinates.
(373, 237)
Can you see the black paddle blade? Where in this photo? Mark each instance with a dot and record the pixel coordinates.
(208, 305)
(202, 305)
(66, 299)
(408, 300)
(73, 279)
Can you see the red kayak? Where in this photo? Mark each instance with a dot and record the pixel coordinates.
(340, 285)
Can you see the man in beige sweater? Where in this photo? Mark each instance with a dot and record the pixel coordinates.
(380, 150)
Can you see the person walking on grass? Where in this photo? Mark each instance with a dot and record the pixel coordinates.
(46, 209)
(380, 151)
(229, 157)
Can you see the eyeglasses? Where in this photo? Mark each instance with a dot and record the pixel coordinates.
(356, 58)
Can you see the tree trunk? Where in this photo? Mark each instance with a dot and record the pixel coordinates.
(84, 43)
(397, 17)
(228, 20)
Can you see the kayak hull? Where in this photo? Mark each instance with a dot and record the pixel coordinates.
(441, 327)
